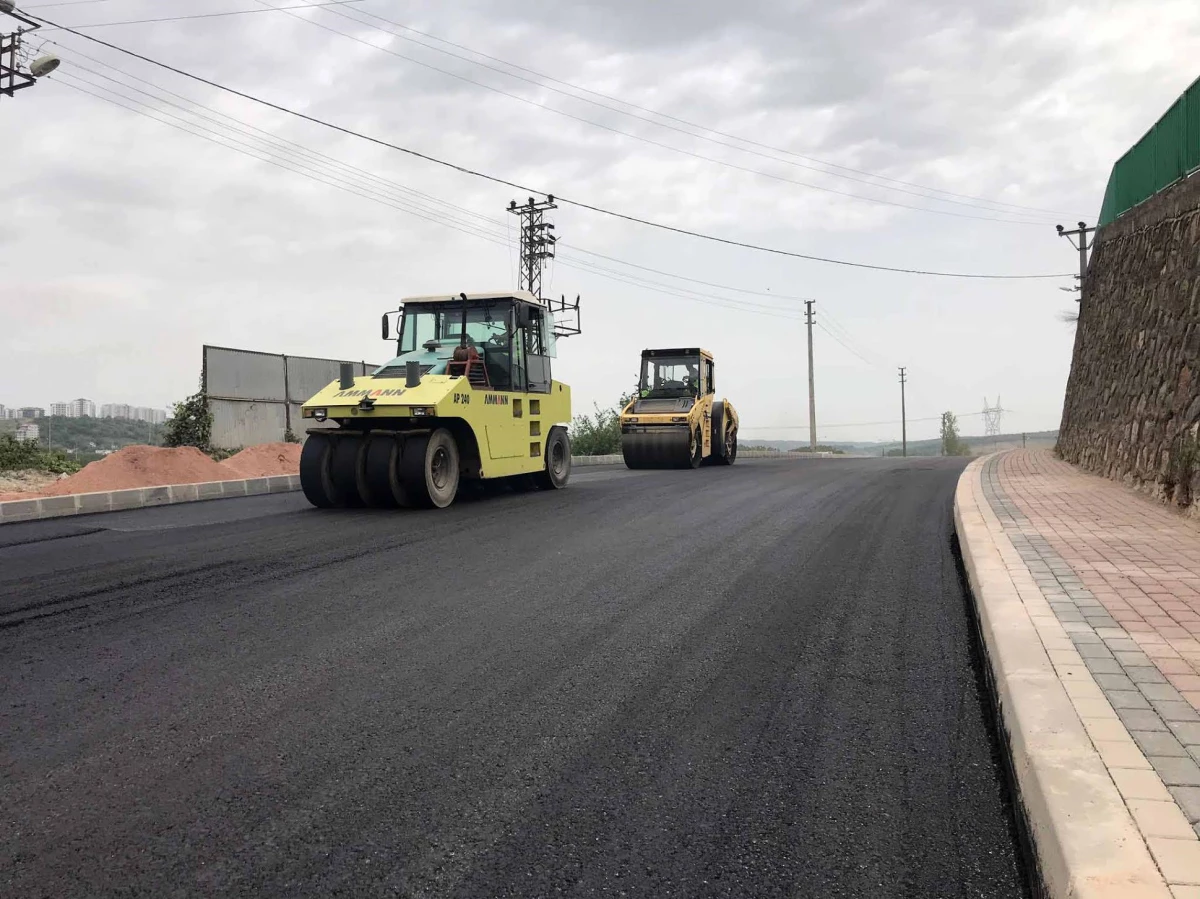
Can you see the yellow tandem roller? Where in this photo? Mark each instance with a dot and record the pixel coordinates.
(675, 420)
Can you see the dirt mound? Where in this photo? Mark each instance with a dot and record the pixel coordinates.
(142, 466)
(264, 460)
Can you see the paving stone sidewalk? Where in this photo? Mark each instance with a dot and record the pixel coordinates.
(1122, 574)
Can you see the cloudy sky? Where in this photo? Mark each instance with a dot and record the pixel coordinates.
(812, 127)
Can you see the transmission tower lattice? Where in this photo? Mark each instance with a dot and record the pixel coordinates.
(537, 242)
(991, 418)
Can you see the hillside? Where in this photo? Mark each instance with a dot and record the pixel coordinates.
(91, 435)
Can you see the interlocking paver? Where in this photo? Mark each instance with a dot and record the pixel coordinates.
(1160, 743)
(1120, 574)
(1187, 732)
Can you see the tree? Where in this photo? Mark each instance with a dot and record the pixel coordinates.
(598, 434)
(191, 424)
(952, 444)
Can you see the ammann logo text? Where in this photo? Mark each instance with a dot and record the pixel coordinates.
(393, 391)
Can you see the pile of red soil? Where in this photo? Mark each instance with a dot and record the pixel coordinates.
(263, 461)
(142, 466)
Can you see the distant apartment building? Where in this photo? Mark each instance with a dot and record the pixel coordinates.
(31, 412)
(154, 416)
(28, 432)
(116, 410)
(77, 408)
(133, 413)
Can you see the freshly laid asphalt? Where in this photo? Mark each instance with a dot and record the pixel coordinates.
(747, 681)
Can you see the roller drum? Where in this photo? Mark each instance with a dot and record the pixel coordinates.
(668, 447)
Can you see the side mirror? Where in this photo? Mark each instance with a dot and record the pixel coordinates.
(385, 326)
(524, 315)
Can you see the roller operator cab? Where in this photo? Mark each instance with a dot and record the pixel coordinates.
(675, 420)
(469, 396)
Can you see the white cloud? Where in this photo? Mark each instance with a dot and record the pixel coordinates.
(132, 244)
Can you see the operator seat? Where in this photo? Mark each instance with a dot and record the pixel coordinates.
(467, 361)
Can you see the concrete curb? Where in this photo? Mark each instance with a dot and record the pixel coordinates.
(141, 497)
(1086, 843)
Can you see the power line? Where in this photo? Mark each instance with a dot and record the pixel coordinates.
(373, 195)
(846, 346)
(512, 184)
(205, 15)
(681, 121)
(637, 137)
(300, 148)
(204, 134)
(63, 3)
(729, 287)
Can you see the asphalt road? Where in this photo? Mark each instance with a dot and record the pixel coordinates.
(748, 681)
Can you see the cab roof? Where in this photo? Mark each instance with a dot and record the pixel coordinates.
(523, 295)
(677, 351)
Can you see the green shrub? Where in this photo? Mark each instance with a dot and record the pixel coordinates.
(28, 456)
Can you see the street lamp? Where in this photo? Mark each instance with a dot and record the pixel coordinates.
(12, 79)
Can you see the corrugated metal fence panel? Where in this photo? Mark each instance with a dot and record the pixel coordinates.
(243, 374)
(1169, 151)
(237, 423)
(248, 397)
(307, 376)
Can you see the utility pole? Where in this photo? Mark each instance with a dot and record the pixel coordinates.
(12, 55)
(812, 389)
(1082, 245)
(537, 243)
(903, 417)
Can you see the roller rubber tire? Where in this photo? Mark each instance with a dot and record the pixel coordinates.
(716, 434)
(729, 447)
(430, 469)
(558, 461)
(347, 469)
(382, 469)
(316, 478)
(695, 449)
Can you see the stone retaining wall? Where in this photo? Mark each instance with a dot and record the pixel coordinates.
(1132, 410)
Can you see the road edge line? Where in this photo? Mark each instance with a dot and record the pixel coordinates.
(1084, 840)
